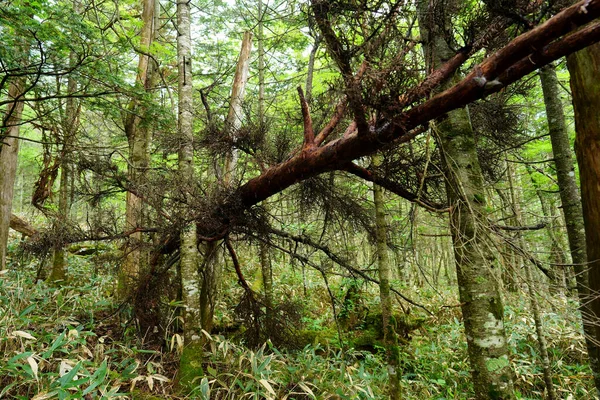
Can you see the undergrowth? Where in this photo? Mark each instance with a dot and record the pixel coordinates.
(75, 342)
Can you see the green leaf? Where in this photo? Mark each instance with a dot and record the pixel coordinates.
(27, 310)
(55, 345)
(68, 377)
(97, 378)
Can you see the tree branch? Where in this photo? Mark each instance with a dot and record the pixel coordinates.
(309, 133)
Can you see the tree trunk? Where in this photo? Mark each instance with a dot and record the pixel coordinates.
(557, 256)
(515, 207)
(265, 259)
(58, 273)
(235, 114)
(211, 273)
(479, 292)
(569, 192)
(535, 309)
(385, 275)
(9, 150)
(190, 365)
(508, 258)
(311, 68)
(267, 283)
(138, 137)
(584, 67)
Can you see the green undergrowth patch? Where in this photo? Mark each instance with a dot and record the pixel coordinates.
(74, 342)
(68, 343)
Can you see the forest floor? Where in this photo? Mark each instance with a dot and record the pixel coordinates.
(74, 342)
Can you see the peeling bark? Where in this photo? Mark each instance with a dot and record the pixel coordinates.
(509, 64)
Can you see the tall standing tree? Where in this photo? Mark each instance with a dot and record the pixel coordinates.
(385, 295)
(190, 366)
(9, 150)
(69, 128)
(137, 129)
(482, 307)
(9, 139)
(584, 68)
(571, 205)
(211, 272)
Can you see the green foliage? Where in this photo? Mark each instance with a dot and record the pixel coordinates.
(52, 346)
(313, 373)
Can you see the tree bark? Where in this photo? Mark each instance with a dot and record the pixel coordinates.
(584, 67)
(211, 273)
(190, 365)
(58, 273)
(9, 150)
(235, 114)
(509, 64)
(138, 137)
(482, 307)
(22, 226)
(385, 275)
(507, 254)
(265, 259)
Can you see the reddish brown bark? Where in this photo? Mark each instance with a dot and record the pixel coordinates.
(509, 64)
(584, 68)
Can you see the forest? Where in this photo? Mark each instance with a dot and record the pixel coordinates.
(300, 199)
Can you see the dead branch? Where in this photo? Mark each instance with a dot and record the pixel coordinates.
(309, 133)
(22, 226)
(394, 187)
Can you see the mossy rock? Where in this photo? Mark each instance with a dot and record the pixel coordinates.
(368, 340)
(323, 337)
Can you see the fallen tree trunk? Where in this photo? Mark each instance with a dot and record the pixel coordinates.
(506, 66)
(22, 226)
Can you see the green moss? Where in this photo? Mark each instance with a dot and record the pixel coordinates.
(479, 198)
(190, 367)
(324, 337)
(368, 340)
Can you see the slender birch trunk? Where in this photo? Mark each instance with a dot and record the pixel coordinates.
(190, 365)
(482, 307)
(385, 275)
